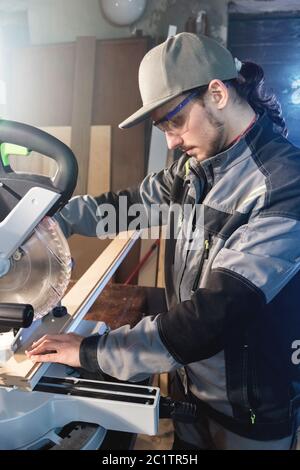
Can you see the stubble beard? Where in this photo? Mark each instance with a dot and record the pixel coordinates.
(218, 141)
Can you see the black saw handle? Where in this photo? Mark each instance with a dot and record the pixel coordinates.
(36, 140)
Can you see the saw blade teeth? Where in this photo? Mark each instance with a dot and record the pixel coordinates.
(45, 262)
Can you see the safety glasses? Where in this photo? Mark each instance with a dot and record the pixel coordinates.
(175, 121)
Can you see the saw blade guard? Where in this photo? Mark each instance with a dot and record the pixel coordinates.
(40, 270)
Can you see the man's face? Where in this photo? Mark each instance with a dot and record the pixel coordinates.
(196, 129)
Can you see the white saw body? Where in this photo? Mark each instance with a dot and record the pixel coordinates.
(35, 269)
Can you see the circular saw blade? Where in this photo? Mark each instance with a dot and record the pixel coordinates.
(40, 270)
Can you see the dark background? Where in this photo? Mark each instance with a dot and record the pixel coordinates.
(273, 41)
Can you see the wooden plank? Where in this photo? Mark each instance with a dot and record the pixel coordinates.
(84, 252)
(82, 106)
(19, 370)
(99, 174)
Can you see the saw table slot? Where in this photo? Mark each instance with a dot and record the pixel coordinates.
(73, 391)
(112, 387)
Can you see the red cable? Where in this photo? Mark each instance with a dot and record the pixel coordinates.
(142, 262)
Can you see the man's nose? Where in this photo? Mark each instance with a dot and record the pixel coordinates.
(173, 141)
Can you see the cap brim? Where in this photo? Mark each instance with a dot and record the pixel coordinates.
(144, 113)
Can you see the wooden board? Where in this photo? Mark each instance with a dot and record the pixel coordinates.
(19, 370)
(119, 305)
(99, 174)
(84, 252)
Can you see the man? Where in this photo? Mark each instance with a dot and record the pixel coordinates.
(233, 303)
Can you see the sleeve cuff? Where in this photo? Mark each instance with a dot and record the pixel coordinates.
(88, 353)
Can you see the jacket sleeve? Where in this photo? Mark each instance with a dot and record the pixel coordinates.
(256, 263)
(84, 215)
(128, 353)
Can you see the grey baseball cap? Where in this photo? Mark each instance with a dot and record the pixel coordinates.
(182, 62)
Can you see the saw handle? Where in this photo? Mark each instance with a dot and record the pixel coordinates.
(15, 316)
(36, 140)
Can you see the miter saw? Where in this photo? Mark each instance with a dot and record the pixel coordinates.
(35, 268)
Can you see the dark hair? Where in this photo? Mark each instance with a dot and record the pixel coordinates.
(250, 86)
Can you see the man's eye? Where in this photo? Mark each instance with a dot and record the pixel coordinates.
(176, 123)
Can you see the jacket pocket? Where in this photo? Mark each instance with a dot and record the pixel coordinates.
(203, 260)
(250, 390)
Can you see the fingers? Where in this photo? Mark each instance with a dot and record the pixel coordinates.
(45, 358)
(46, 351)
(58, 338)
(45, 347)
(62, 348)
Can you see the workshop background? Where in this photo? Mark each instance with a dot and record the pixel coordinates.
(71, 67)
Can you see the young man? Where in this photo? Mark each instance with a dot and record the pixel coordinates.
(232, 279)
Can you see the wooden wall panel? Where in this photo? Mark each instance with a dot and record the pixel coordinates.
(82, 107)
(116, 99)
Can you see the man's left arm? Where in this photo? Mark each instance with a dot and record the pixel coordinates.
(255, 264)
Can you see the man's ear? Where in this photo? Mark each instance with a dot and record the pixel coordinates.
(218, 93)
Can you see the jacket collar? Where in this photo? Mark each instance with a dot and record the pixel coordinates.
(237, 152)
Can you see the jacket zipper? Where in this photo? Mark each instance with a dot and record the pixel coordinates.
(205, 256)
(247, 383)
(252, 416)
(185, 193)
(204, 192)
(186, 190)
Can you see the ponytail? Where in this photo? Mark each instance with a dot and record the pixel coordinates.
(250, 85)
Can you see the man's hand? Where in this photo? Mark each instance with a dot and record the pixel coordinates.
(62, 348)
